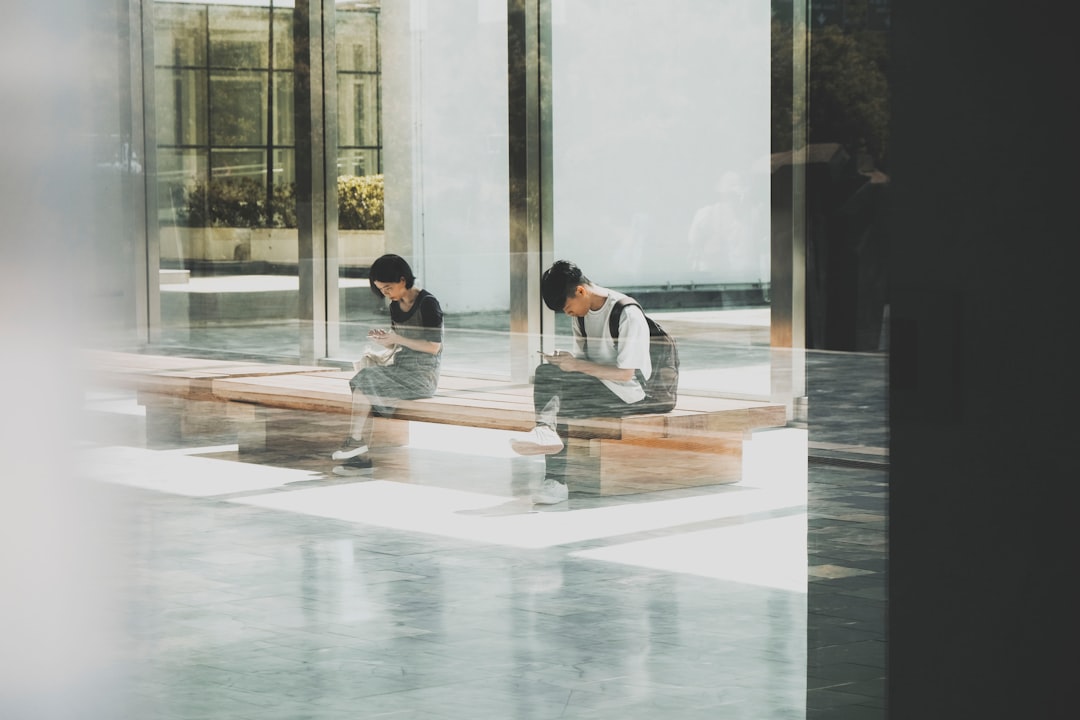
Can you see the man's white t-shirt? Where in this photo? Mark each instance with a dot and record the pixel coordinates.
(633, 348)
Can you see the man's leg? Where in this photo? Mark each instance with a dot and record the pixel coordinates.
(585, 396)
(548, 388)
(558, 394)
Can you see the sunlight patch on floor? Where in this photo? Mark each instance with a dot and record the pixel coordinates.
(455, 513)
(182, 474)
(769, 553)
(461, 440)
(775, 458)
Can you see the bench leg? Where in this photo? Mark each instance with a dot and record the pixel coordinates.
(261, 429)
(164, 418)
(171, 421)
(619, 467)
(287, 432)
(389, 432)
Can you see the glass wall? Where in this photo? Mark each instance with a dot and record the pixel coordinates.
(361, 236)
(661, 156)
(418, 110)
(222, 89)
(658, 139)
(443, 98)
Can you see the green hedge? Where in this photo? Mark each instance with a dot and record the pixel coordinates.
(242, 202)
(360, 202)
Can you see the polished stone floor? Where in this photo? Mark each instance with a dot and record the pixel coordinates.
(268, 587)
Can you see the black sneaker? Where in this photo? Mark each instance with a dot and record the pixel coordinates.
(355, 466)
(349, 449)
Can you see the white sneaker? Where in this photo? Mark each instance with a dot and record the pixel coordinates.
(541, 440)
(550, 492)
(349, 449)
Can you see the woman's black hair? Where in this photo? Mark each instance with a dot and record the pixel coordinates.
(559, 282)
(390, 268)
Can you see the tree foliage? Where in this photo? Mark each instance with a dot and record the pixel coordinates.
(848, 91)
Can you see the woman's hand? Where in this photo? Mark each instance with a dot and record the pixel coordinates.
(386, 338)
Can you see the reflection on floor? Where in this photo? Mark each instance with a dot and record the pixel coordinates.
(433, 588)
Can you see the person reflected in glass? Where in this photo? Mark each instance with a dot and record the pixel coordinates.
(725, 238)
(409, 368)
(599, 378)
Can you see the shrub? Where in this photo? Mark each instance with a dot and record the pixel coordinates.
(241, 202)
(360, 202)
(237, 202)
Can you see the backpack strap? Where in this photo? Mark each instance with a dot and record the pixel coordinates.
(613, 328)
(616, 313)
(613, 319)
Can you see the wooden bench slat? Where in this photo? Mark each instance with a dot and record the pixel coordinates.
(699, 442)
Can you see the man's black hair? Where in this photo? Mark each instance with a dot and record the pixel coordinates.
(390, 268)
(559, 282)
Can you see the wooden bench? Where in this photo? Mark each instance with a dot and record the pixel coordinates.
(698, 443)
(177, 392)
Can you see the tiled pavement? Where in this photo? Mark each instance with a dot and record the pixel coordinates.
(267, 587)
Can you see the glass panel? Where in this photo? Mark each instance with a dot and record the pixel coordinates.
(283, 42)
(661, 172)
(236, 164)
(239, 37)
(227, 209)
(357, 50)
(284, 107)
(358, 109)
(238, 108)
(442, 152)
(181, 106)
(283, 200)
(179, 35)
(358, 162)
(178, 170)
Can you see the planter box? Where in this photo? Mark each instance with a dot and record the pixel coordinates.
(360, 248)
(184, 243)
(277, 246)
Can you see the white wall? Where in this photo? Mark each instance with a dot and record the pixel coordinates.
(656, 107)
(446, 179)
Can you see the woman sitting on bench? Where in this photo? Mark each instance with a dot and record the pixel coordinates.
(415, 337)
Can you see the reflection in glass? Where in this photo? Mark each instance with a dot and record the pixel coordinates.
(661, 172)
(358, 111)
(425, 107)
(283, 38)
(225, 129)
(180, 106)
(358, 162)
(238, 108)
(284, 103)
(357, 48)
(179, 35)
(239, 37)
(237, 164)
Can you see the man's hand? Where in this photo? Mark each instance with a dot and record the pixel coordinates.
(562, 360)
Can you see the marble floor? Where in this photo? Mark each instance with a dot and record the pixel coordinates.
(268, 587)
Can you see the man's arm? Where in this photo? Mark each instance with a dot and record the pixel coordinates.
(633, 330)
(566, 361)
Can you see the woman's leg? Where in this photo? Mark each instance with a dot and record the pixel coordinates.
(360, 422)
(361, 418)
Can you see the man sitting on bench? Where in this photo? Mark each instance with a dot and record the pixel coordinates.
(598, 379)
